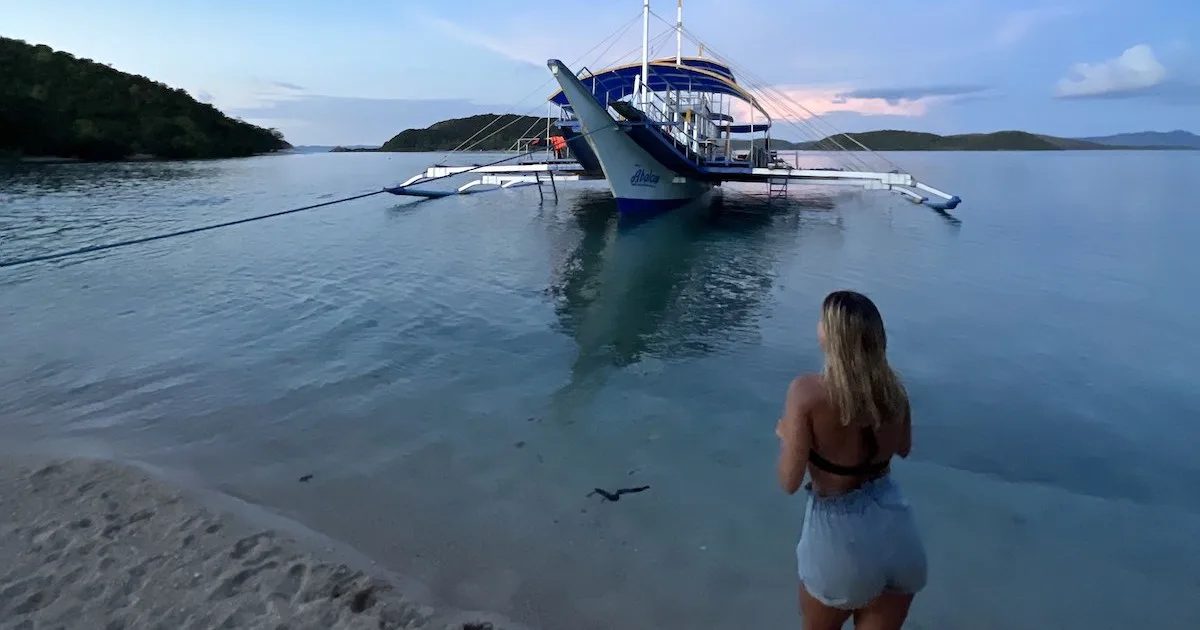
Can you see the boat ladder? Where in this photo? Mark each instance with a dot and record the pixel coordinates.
(777, 187)
(537, 177)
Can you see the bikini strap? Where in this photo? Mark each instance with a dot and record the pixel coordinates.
(868, 465)
(871, 443)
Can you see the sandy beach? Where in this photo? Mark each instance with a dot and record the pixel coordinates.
(100, 545)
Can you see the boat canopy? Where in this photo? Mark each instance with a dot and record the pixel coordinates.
(692, 74)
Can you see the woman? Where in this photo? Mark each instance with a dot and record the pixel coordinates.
(859, 553)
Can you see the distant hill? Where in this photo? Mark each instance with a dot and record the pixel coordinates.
(319, 148)
(893, 140)
(448, 135)
(327, 148)
(53, 104)
(1176, 139)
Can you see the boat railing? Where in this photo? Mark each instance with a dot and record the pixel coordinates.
(695, 134)
(691, 133)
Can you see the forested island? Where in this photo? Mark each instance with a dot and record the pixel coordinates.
(482, 132)
(55, 105)
(895, 140)
(460, 133)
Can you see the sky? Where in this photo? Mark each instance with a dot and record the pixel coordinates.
(327, 73)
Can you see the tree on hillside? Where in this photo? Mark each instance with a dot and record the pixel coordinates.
(55, 104)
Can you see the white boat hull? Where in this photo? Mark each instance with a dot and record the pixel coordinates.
(639, 183)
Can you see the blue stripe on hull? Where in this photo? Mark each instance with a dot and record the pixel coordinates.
(626, 205)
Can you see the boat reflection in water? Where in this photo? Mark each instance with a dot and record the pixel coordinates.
(677, 286)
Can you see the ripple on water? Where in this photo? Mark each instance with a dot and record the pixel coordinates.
(460, 374)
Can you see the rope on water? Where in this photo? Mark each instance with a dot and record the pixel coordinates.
(158, 237)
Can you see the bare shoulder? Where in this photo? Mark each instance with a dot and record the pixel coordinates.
(807, 390)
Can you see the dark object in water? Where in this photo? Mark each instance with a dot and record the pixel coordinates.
(305, 478)
(616, 496)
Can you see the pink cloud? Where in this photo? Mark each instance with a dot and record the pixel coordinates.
(799, 103)
(802, 102)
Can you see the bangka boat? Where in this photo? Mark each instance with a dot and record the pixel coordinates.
(666, 131)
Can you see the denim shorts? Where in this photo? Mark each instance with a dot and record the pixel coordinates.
(857, 545)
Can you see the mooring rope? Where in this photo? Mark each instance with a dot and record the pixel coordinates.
(158, 237)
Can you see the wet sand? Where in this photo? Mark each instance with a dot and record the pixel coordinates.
(100, 545)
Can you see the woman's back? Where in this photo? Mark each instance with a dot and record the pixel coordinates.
(859, 552)
(854, 458)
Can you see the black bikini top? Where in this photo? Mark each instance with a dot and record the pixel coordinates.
(865, 468)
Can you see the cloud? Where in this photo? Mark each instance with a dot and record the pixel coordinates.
(502, 46)
(251, 93)
(798, 103)
(588, 40)
(896, 95)
(1017, 25)
(1135, 70)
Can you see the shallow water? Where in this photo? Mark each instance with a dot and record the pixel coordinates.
(459, 374)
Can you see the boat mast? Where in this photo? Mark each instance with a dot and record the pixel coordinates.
(645, 52)
(679, 33)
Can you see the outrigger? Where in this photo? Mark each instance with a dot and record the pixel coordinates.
(662, 133)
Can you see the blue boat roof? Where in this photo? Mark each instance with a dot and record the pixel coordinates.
(706, 64)
(693, 73)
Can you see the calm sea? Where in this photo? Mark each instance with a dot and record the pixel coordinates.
(459, 374)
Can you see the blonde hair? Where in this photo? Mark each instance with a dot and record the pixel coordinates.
(863, 388)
